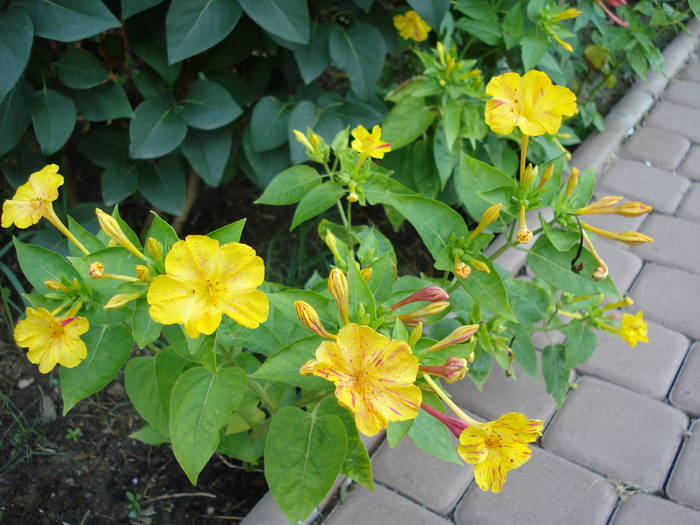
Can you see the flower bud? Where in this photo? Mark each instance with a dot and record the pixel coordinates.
(352, 197)
(487, 218)
(111, 228)
(459, 335)
(454, 369)
(462, 269)
(572, 182)
(96, 270)
(302, 139)
(630, 238)
(633, 209)
(330, 241)
(418, 316)
(366, 274)
(143, 273)
(155, 249)
(546, 175)
(429, 293)
(121, 299)
(480, 266)
(338, 286)
(600, 273)
(529, 176)
(416, 334)
(310, 318)
(55, 285)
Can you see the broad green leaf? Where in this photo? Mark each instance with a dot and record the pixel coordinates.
(241, 446)
(432, 11)
(80, 69)
(425, 178)
(488, 32)
(90, 241)
(580, 343)
(562, 240)
(584, 189)
(200, 405)
(431, 436)
(133, 7)
(513, 24)
(365, 5)
(40, 265)
(554, 267)
(316, 201)
(53, 116)
(284, 365)
(269, 124)
(69, 20)
(406, 121)
(476, 181)
(314, 58)
(208, 152)
(150, 436)
(529, 300)
(445, 161)
(15, 115)
(102, 103)
(262, 167)
(149, 46)
(532, 47)
(695, 7)
(193, 26)
(555, 372)
(162, 232)
(115, 259)
(105, 145)
(524, 350)
(360, 294)
(107, 349)
(16, 37)
(397, 430)
(451, 120)
(163, 184)
(304, 115)
(229, 233)
(155, 129)
(489, 291)
(360, 53)
(287, 19)
(209, 106)
(119, 181)
(290, 186)
(304, 453)
(144, 329)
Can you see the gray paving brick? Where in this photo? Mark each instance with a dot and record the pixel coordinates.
(381, 507)
(690, 206)
(641, 368)
(670, 296)
(659, 147)
(678, 119)
(660, 188)
(642, 509)
(691, 165)
(686, 392)
(675, 242)
(684, 483)
(265, 512)
(624, 265)
(547, 490)
(684, 93)
(434, 483)
(502, 394)
(622, 434)
(541, 339)
(692, 72)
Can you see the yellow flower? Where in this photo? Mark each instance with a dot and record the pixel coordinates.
(32, 200)
(566, 15)
(631, 238)
(498, 446)
(374, 376)
(633, 329)
(530, 102)
(411, 25)
(203, 281)
(369, 144)
(52, 340)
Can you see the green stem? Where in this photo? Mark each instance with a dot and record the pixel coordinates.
(602, 83)
(262, 393)
(349, 216)
(342, 215)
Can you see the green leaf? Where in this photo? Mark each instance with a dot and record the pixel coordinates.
(357, 464)
(360, 53)
(695, 7)
(314, 58)
(150, 47)
(133, 7)
(155, 129)
(489, 291)
(116, 260)
(69, 20)
(635, 58)
(316, 201)
(303, 455)
(513, 24)
(208, 152)
(432, 11)
(530, 301)
(397, 430)
(304, 115)
(79, 69)
(360, 295)
(193, 26)
(431, 436)
(287, 19)
(580, 343)
(107, 350)
(269, 124)
(15, 115)
(90, 241)
(150, 436)
(263, 166)
(162, 232)
(555, 372)
(476, 182)
(209, 106)
(445, 161)
(16, 37)
(53, 115)
(102, 103)
(290, 186)
(40, 265)
(229, 233)
(451, 120)
(144, 329)
(406, 121)
(488, 32)
(163, 184)
(533, 47)
(200, 405)
(524, 350)
(119, 181)
(584, 189)
(554, 267)
(241, 446)
(105, 145)
(284, 365)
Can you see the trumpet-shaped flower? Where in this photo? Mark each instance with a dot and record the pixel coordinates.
(411, 25)
(369, 144)
(203, 281)
(530, 102)
(52, 340)
(496, 447)
(374, 376)
(633, 329)
(32, 200)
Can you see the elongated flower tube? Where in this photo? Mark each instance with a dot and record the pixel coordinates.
(609, 205)
(308, 315)
(411, 26)
(524, 234)
(111, 228)
(566, 15)
(418, 316)
(338, 286)
(489, 216)
(155, 249)
(630, 238)
(457, 336)
(610, 13)
(374, 376)
(120, 300)
(429, 293)
(572, 182)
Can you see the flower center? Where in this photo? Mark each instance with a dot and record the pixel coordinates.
(492, 441)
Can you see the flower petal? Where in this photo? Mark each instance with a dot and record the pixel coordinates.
(194, 259)
(248, 307)
(515, 426)
(472, 447)
(242, 269)
(20, 212)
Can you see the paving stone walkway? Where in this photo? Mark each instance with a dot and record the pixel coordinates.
(624, 449)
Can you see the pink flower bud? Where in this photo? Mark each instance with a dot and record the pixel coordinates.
(430, 293)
